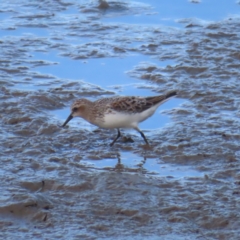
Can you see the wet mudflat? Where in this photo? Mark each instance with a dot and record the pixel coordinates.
(68, 183)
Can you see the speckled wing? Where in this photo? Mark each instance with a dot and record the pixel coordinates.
(132, 104)
(138, 104)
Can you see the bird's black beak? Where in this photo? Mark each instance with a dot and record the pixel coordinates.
(68, 119)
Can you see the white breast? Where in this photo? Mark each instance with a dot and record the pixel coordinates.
(126, 120)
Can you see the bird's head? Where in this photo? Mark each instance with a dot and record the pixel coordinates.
(78, 109)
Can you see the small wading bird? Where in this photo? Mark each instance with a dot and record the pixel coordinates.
(118, 112)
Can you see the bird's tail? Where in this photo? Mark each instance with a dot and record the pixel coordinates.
(161, 98)
(171, 94)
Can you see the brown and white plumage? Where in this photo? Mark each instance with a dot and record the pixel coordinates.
(118, 112)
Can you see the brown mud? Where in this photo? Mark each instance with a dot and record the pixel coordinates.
(67, 183)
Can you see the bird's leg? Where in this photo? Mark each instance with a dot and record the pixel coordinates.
(118, 135)
(143, 136)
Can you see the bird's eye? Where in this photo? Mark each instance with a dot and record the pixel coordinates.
(75, 109)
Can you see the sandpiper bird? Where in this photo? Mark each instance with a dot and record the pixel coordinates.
(118, 112)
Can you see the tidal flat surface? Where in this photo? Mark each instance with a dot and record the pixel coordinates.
(67, 183)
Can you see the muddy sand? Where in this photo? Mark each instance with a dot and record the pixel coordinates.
(67, 183)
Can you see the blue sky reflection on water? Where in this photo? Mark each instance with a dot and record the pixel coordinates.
(105, 72)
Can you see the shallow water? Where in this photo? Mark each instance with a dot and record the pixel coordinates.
(110, 77)
(130, 162)
(68, 181)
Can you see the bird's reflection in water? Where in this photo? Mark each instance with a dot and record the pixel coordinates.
(127, 162)
(120, 167)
